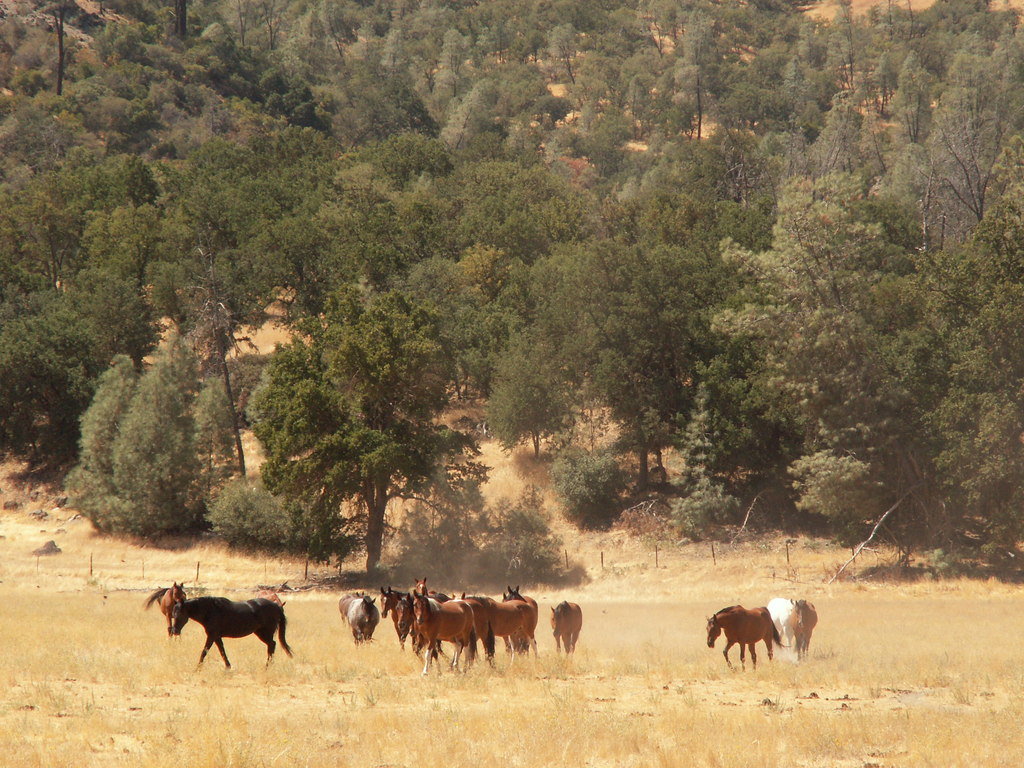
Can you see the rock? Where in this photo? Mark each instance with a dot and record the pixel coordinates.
(49, 548)
(62, 501)
(38, 514)
(11, 504)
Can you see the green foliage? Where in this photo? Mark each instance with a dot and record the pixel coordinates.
(346, 414)
(483, 547)
(248, 517)
(589, 486)
(154, 455)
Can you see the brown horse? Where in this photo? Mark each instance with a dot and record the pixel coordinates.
(271, 595)
(746, 627)
(167, 597)
(421, 589)
(452, 621)
(510, 620)
(806, 620)
(566, 621)
(391, 602)
(527, 639)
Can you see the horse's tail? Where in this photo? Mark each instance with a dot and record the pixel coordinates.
(154, 597)
(472, 644)
(282, 625)
(488, 642)
(775, 636)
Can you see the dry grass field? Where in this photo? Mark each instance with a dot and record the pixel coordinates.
(922, 674)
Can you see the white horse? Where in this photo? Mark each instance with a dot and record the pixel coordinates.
(785, 616)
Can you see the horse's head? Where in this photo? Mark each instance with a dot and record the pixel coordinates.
(512, 594)
(179, 618)
(403, 609)
(177, 592)
(420, 608)
(714, 630)
(421, 586)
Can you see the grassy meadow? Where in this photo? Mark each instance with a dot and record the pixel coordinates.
(924, 674)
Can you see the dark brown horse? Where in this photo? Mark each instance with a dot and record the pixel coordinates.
(746, 627)
(452, 621)
(167, 597)
(527, 639)
(222, 618)
(566, 622)
(391, 602)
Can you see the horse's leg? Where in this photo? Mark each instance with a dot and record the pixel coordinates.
(206, 650)
(743, 655)
(429, 656)
(753, 653)
(728, 645)
(220, 647)
(768, 642)
(558, 643)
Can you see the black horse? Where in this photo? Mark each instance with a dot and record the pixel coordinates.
(226, 618)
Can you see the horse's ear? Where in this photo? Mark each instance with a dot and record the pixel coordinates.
(552, 609)
(373, 599)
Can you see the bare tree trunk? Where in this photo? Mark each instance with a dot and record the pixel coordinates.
(181, 18)
(376, 505)
(231, 402)
(58, 18)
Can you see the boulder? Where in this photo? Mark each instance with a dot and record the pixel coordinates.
(49, 548)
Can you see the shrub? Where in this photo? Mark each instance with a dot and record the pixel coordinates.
(706, 505)
(246, 515)
(588, 485)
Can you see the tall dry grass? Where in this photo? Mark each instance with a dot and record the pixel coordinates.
(911, 675)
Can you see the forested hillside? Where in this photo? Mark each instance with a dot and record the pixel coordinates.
(785, 248)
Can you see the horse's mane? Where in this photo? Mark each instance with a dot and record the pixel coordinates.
(726, 610)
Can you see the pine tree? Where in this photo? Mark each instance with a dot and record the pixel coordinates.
(154, 458)
(92, 481)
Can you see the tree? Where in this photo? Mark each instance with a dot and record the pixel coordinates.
(91, 482)
(154, 456)
(346, 415)
(529, 399)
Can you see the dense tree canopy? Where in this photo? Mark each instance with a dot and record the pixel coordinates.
(728, 250)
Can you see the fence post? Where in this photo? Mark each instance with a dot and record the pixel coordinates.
(197, 571)
(713, 558)
(602, 559)
(655, 555)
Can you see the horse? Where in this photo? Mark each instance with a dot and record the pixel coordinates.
(510, 620)
(527, 640)
(421, 589)
(784, 615)
(452, 621)
(746, 627)
(222, 618)
(167, 597)
(566, 623)
(390, 602)
(807, 619)
(360, 613)
(271, 595)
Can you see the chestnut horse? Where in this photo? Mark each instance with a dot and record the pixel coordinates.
(510, 620)
(421, 589)
(391, 602)
(806, 620)
(271, 595)
(746, 627)
(167, 597)
(452, 621)
(566, 621)
(527, 639)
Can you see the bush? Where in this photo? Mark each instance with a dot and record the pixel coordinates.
(589, 485)
(246, 515)
(706, 505)
(511, 543)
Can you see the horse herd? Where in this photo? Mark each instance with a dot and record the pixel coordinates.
(423, 616)
(793, 620)
(426, 617)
